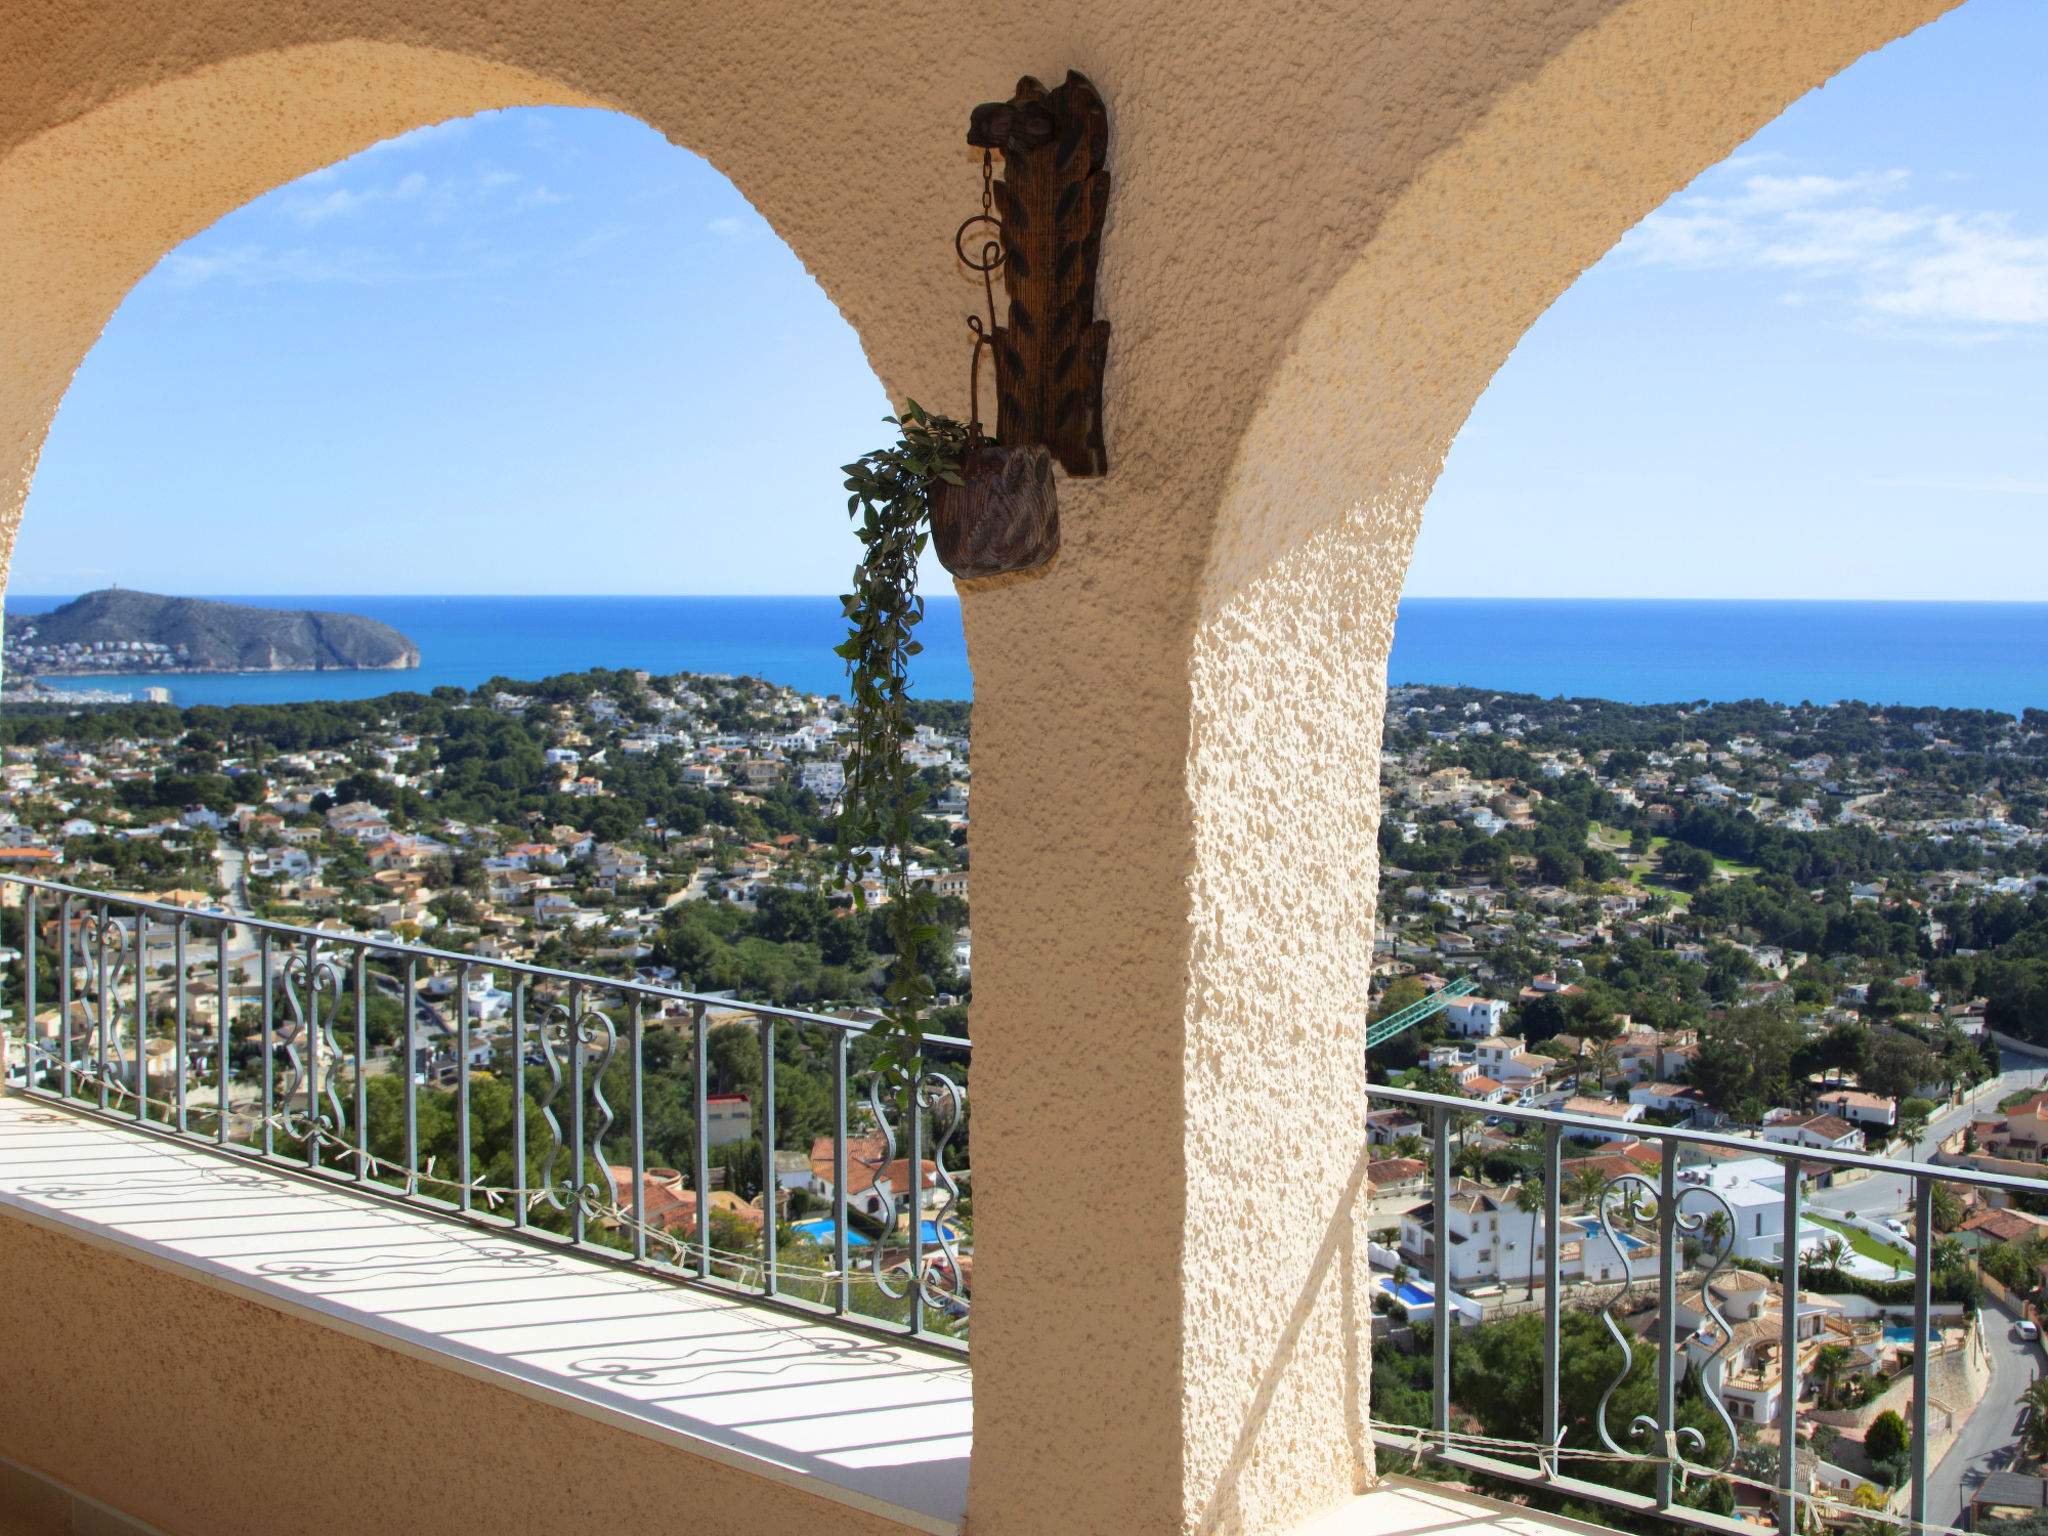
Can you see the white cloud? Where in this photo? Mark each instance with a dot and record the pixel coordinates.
(255, 265)
(1858, 240)
(338, 204)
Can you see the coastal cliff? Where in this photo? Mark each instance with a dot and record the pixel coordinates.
(194, 635)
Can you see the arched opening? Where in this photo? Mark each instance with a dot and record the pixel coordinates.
(1810, 375)
(540, 354)
(486, 382)
(1862, 428)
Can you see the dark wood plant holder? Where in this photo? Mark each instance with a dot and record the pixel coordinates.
(1042, 227)
(1050, 204)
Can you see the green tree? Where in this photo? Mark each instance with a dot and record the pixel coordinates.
(1692, 866)
(1715, 1229)
(1948, 1210)
(1744, 1062)
(1587, 1187)
(1830, 1253)
(2036, 1397)
(1913, 1117)
(1899, 1064)
(1828, 1364)
(1887, 1440)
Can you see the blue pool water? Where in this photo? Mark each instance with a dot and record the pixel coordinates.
(1902, 1333)
(1627, 1240)
(1409, 1294)
(819, 1230)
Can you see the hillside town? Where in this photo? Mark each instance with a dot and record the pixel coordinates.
(573, 826)
(1813, 930)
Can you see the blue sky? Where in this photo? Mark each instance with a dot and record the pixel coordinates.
(546, 351)
(1820, 371)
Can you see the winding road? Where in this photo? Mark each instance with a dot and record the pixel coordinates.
(1988, 1441)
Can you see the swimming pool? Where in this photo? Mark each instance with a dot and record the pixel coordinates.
(1628, 1240)
(819, 1230)
(1409, 1294)
(1902, 1333)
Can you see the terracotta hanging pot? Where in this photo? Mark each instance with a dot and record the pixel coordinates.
(1004, 519)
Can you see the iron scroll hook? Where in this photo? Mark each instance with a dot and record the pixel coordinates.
(990, 263)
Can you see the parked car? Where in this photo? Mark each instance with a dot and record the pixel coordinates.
(2030, 1330)
(1895, 1226)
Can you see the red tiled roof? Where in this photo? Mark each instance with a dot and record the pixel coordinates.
(1394, 1170)
(2006, 1225)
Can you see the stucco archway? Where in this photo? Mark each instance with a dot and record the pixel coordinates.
(1329, 228)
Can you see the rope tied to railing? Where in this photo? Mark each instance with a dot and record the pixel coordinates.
(1426, 1440)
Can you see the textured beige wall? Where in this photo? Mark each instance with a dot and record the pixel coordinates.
(205, 1414)
(1330, 225)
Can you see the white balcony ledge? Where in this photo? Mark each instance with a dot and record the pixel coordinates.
(1402, 1506)
(860, 1421)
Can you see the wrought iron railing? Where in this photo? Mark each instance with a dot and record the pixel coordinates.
(546, 1100)
(1667, 1211)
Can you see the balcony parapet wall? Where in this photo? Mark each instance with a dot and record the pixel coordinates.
(190, 1363)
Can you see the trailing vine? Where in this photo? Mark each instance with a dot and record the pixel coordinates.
(889, 502)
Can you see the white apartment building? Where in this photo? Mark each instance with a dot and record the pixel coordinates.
(1475, 1017)
(826, 780)
(1505, 1059)
(1824, 1133)
(1492, 1240)
(1751, 1193)
(1864, 1109)
(1747, 1375)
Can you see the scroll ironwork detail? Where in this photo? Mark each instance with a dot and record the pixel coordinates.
(1640, 1202)
(935, 1277)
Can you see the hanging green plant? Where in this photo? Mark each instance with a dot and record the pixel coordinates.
(994, 510)
(890, 498)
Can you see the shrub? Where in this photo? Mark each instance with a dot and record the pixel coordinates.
(1886, 1439)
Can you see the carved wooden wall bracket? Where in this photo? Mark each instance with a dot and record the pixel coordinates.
(1050, 351)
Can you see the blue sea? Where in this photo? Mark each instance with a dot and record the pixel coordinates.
(1964, 655)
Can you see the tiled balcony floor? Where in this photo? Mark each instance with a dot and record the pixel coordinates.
(840, 1414)
(1404, 1507)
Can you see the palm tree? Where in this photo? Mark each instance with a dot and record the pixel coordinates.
(1715, 1229)
(1829, 1253)
(1605, 1063)
(1829, 1364)
(1587, 1187)
(1410, 1146)
(2036, 1397)
(1401, 1273)
(1529, 1196)
(1948, 1210)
